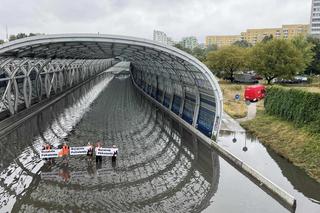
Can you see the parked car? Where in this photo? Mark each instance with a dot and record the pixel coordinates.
(254, 92)
(245, 78)
(295, 80)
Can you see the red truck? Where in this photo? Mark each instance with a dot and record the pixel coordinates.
(254, 92)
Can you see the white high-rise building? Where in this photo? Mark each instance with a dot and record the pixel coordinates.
(160, 36)
(315, 19)
(190, 42)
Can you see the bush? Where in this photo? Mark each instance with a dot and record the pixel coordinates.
(300, 107)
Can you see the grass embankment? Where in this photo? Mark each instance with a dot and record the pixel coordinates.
(298, 145)
(236, 109)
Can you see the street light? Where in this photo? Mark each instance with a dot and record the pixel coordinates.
(245, 148)
(234, 137)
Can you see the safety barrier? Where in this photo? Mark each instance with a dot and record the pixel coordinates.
(283, 197)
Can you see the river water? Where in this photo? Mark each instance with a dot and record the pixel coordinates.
(161, 167)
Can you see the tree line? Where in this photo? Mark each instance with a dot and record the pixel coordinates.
(270, 58)
(19, 36)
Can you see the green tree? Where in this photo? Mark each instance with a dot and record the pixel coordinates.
(199, 53)
(267, 38)
(242, 43)
(227, 60)
(21, 35)
(32, 34)
(277, 58)
(306, 48)
(314, 66)
(12, 37)
(1, 41)
(181, 47)
(211, 47)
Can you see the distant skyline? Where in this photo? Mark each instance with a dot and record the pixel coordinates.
(177, 18)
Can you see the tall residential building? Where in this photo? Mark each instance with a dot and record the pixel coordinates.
(160, 36)
(254, 36)
(222, 40)
(315, 18)
(189, 42)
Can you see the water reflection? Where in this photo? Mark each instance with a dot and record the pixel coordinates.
(158, 168)
(277, 169)
(297, 177)
(20, 163)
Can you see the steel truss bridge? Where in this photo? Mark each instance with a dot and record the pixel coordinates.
(35, 68)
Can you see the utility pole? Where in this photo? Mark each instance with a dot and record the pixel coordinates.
(7, 36)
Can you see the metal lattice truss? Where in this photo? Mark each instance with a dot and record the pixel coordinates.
(24, 81)
(172, 77)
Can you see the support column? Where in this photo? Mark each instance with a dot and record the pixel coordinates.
(196, 108)
(182, 100)
(172, 94)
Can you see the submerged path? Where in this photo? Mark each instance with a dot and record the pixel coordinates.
(160, 168)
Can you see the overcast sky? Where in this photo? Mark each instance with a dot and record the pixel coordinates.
(178, 18)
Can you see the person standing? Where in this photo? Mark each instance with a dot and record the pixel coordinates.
(65, 152)
(98, 158)
(90, 152)
(115, 153)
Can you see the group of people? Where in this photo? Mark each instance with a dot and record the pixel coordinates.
(65, 149)
(99, 157)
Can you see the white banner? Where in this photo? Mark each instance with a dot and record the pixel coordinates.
(106, 151)
(79, 150)
(52, 153)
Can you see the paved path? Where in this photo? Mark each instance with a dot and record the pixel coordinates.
(252, 112)
(230, 124)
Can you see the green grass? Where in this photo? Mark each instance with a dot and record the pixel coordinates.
(236, 109)
(298, 145)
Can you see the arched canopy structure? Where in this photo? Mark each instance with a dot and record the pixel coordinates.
(176, 79)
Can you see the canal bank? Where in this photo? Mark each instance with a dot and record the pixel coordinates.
(291, 178)
(297, 145)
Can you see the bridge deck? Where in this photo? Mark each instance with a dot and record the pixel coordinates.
(160, 166)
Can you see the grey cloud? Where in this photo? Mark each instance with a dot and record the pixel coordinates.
(177, 18)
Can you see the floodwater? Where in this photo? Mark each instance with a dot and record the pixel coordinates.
(277, 169)
(161, 167)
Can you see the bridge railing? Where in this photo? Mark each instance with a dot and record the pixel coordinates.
(25, 81)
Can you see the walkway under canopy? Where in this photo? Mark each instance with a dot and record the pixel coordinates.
(36, 67)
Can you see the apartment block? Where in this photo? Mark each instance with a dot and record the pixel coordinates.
(315, 19)
(222, 40)
(254, 36)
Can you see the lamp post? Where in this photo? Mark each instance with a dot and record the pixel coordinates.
(234, 137)
(245, 148)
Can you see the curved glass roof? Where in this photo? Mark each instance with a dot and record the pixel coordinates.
(148, 56)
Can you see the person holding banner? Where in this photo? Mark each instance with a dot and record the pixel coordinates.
(64, 152)
(98, 157)
(90, 152)
(47, 146)
(115, 153)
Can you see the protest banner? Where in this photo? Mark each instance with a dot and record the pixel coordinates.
(79, 150)
(52, 153)
(106, 151)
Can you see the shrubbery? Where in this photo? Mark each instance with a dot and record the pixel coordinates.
(303, 108)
